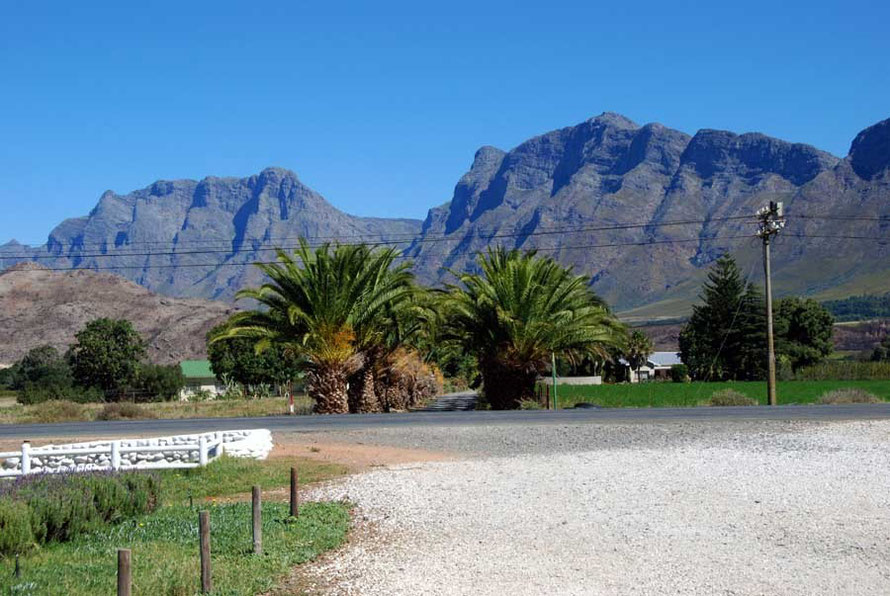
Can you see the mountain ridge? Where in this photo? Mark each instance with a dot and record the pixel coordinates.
(606, 170)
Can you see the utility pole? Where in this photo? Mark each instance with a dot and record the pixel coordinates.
(772, 220)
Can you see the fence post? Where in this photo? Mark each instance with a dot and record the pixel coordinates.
(202, 451)
(257, 520)
(26, 458)
(204, 531)
(115, 455)
(124, 583)
(294, 505)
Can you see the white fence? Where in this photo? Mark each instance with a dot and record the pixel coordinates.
(82, 459)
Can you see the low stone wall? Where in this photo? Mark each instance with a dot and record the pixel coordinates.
(573, 380)
(254, 444)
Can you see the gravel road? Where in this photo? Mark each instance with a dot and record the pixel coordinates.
(745, 508)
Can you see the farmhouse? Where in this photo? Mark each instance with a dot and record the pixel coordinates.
(658, 366)
(199, 377)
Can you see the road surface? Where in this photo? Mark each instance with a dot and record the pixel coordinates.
(521, 417)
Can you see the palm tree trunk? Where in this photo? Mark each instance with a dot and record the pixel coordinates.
(368, 401)
(327, 386)
(505, 388)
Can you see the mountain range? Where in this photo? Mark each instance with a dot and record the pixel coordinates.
(642, 210)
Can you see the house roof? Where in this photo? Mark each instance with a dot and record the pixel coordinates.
(665, 358)
(196, 369)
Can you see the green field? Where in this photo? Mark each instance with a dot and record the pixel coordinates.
(164, 544)
(679, 395)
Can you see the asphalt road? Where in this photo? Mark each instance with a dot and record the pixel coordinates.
(364, 421)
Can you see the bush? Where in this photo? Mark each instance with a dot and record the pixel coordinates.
(62, 507)
(37, 394)
(849, 396)
(731, 397)
(58, 411)
(530, 404)
(679, 373)
(158, 382)
(16, 535)
(845, 371)
(124, 411)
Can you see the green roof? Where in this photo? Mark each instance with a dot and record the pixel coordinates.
(196, 369)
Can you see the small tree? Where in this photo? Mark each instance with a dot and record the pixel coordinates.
(237, 359)
(156, 382)
(639, 348)
(882, 351)
(106, 355)
(42, 367)
(725, 336)
(803, 331)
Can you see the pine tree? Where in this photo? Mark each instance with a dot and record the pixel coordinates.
(724, 337)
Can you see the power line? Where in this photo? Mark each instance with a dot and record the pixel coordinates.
(443, 254)
(410, 238)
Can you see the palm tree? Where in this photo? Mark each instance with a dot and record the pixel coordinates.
(639, 348)
(519, 311)
(329, 306)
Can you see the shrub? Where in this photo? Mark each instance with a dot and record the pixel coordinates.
(124, 411)
(679, 373)
(731, 397)
(845, 371)
(16, 535)
(57, 411)
(36, 394)
(61, 507)
(530, 404)
(849, 396)
(158, 382)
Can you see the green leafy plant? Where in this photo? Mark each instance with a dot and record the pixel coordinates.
(731, 397)
(679, 373)
(16, 536)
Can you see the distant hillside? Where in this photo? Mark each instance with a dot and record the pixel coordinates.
(860, 308)
(44, 307)
(200, 238)
(642, 210)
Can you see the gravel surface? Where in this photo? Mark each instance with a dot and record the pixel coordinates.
(646, 509)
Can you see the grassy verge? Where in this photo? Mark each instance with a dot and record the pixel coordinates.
(677, 395)
(165, 543)
(165, 552)
(71, 412)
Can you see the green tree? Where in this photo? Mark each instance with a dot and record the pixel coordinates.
(724, 338)
(521, 309)
(157, 382)
(106, 355)
(237, 359)
(882, 351)
(42, 367)
(803, 331)
(638, 349)
(327, 307)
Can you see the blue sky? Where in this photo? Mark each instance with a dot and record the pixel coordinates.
(380, 106)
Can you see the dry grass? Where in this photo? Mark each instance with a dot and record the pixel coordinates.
(849, 396)
(71, 412)
(730, 397)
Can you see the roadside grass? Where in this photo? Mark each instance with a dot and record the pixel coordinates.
(69, 412)
(165, 552)
(681, 395)
(165, 543)
(230, 476)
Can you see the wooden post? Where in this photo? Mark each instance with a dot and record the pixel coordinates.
(547, 388)
(294, 504)
(124, 581)
(204, 531)
(257, 521)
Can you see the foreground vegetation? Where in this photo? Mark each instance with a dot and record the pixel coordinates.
(682, 395)
(165, 542)
(67, 411)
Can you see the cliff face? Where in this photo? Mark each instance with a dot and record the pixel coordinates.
(217, 227)
(570, 193)
(558, 191)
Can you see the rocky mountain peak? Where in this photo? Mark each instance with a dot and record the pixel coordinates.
(614, 120)
(870, 150)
